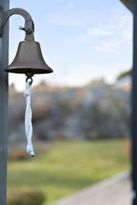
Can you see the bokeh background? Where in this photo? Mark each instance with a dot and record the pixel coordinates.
(81, 112)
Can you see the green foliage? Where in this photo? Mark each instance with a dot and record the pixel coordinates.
(67, 167)
(106, 119)
(124, 75)
(26, 197)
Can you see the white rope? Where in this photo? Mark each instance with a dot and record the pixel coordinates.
(28, 119)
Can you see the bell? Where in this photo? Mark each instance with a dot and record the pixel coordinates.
(29, 60)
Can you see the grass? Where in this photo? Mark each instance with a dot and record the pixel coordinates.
(67, 167)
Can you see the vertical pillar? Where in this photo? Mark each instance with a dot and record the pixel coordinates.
(4, 41)
(134, 106)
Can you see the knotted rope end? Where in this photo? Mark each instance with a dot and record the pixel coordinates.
(30, 151)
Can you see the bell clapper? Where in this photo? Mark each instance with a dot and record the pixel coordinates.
(28, 117)
(30, 79)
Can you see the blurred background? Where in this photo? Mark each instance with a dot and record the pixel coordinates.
(81, 112)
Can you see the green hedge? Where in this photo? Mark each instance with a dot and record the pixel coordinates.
(26, 197)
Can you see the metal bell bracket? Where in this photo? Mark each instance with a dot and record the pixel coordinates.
(29, 24)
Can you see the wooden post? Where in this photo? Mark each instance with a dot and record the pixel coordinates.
(4, 47)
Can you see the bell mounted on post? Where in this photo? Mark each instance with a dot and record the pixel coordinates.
(29, 59)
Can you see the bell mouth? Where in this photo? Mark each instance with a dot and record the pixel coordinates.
(29, 70)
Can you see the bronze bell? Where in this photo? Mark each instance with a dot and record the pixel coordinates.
(29, 60)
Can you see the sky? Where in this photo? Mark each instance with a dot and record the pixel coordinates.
(80, 40)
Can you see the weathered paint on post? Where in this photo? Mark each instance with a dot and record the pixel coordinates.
(4, 47)
(134, 107)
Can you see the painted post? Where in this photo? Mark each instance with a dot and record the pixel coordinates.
(134, 106)
(4, 47)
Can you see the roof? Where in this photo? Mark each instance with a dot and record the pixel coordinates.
(128, 4)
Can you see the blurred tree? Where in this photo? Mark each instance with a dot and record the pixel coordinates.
(124, 74)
